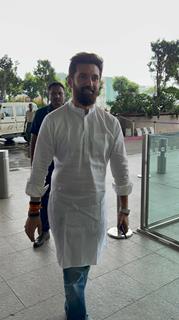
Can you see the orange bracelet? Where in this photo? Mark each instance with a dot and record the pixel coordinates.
(34, 207)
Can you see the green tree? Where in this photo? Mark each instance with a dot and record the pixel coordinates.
(45, 74)
(126, 92)
(15, 87)
(10, 83)
(30, 86)
(164, 65)
(144, 104)
(166, 102)
(129, 100)
(65, 83)
(174, 91)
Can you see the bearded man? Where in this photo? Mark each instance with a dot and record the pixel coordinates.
(81, 139)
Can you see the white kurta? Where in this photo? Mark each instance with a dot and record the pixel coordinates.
(81, 147)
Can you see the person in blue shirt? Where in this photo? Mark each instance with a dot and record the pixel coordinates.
(56, 93)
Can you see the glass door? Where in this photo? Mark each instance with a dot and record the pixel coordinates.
(160, 187)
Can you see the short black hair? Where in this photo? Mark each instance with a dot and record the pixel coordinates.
(85, 58)
(56, 84)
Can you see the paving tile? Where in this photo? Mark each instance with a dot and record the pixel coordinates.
(38, 285)
(133, 248)
(111, 292)
(151, 307)
(4, 217)
(24, 261)
(51, 243)
(9, 303)
(19, 241)
(15, 208)
(169, 253)
(5, 248)
(147, 242)
(51, 309)
(117, 254)
(11, 227)
(170, 293)
(153, 271)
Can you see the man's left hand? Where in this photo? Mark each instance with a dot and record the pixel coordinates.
(123, 220)
(31, 225)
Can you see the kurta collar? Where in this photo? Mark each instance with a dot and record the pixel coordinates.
(79, 110)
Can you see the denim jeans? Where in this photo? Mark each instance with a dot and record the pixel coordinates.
(74, 283)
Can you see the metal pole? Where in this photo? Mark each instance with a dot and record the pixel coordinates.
(133, 127)
(154, 126)
(145, 182)
(4, 174)
(162, 153)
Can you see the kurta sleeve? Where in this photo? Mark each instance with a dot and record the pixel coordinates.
(119, 163)
(43, 155)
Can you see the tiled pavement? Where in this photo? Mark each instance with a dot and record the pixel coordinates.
(137, 279)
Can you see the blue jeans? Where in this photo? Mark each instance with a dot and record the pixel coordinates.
(74, 283)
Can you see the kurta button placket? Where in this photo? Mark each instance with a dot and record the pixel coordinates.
(86, 134)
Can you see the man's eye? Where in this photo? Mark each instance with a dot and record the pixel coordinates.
(83, 76)
(95, 78)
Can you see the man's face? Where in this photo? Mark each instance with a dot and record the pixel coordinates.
(85, 84)
(56, 96)
(30, 107)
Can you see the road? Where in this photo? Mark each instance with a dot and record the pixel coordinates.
(19, 151)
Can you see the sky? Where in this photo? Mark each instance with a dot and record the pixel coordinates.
(119, 31)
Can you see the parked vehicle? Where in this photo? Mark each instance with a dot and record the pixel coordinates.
(12, 118)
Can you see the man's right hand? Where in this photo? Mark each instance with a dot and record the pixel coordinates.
(31, 225)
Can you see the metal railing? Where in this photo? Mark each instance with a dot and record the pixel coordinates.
(145, 126)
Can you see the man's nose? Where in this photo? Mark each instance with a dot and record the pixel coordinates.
(89, 82)
(56, 95)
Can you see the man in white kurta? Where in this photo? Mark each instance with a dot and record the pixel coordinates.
(81, 139)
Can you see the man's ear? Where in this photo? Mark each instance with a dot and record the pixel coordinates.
(70, 81)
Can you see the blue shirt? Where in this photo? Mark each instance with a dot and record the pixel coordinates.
(39, 116)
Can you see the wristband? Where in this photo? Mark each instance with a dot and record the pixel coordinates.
(34, 207)
(33, 215)
(125, 211)
(35, 203)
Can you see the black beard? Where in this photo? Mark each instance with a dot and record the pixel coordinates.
(84, 98)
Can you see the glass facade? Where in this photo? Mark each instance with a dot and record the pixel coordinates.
(160, 186)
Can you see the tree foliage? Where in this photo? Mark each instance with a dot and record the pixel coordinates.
(128, 99)
(45, 74)
(125, 99)
(10, 83)
(174, 91)
(30, 86)
(66, 86)
(164, 64)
